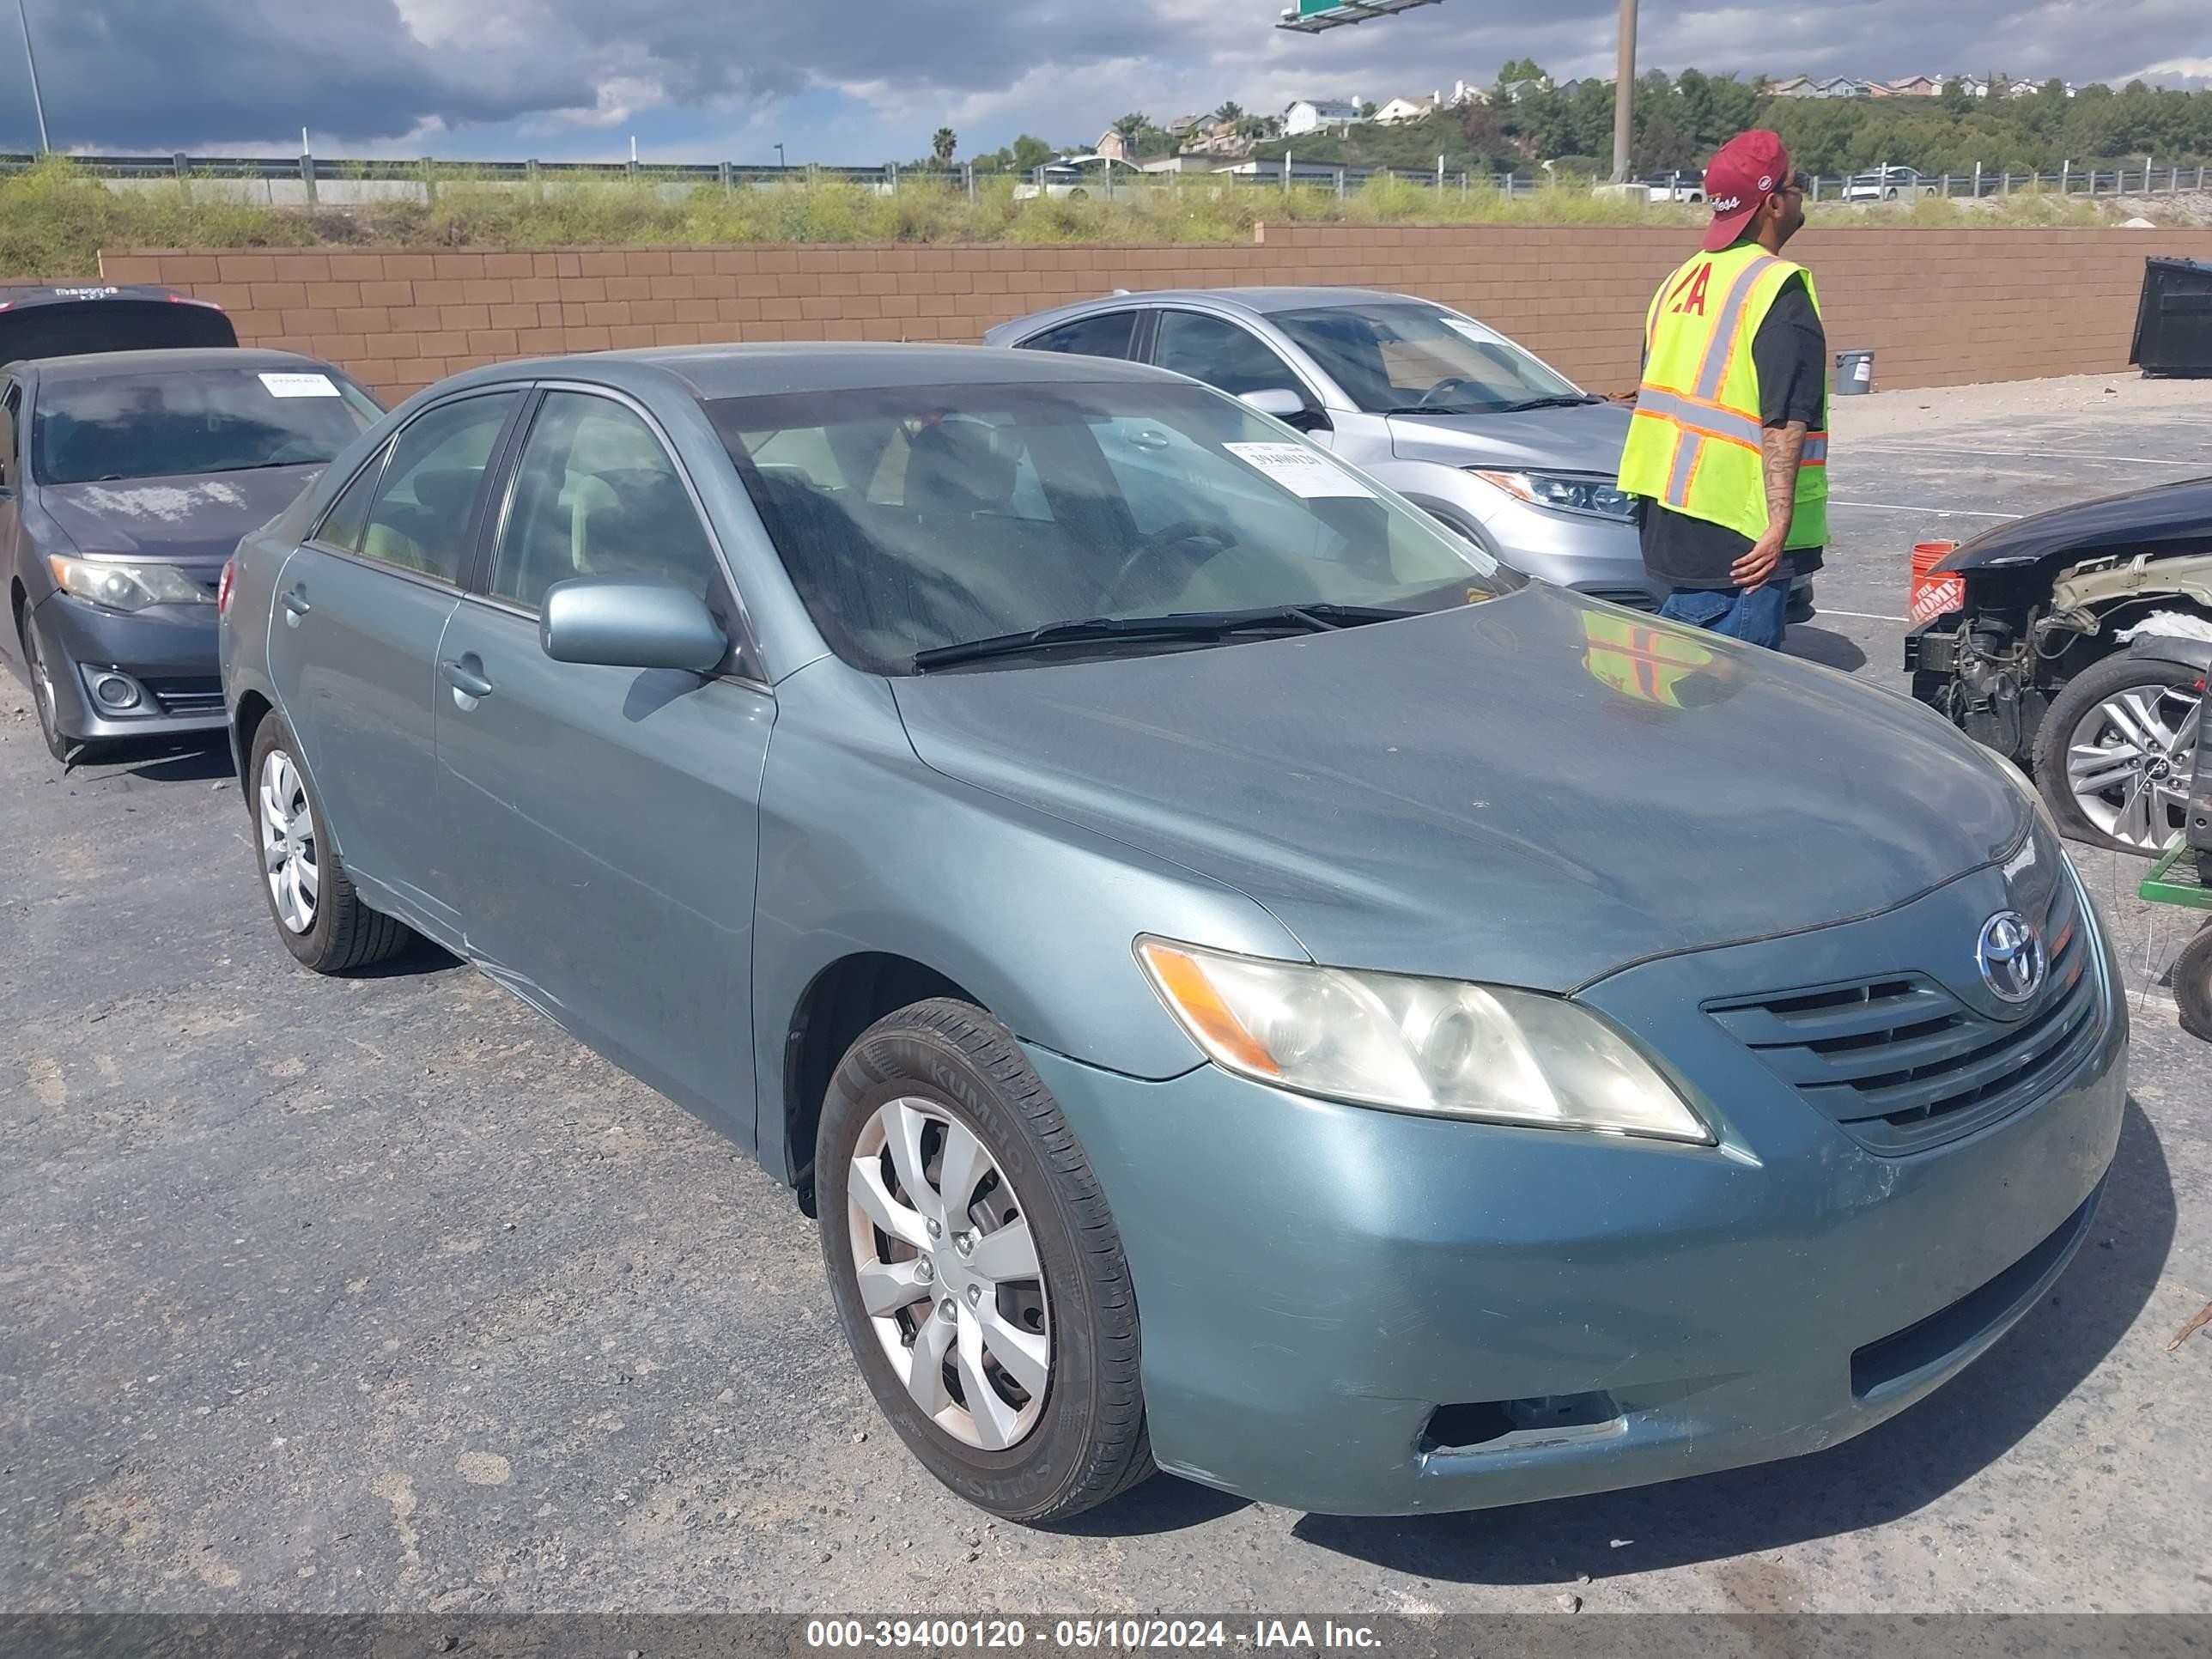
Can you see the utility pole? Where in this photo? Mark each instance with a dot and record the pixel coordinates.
(30, 58)
(1624, 94)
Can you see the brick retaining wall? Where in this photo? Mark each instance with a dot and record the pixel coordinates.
(1938, 307)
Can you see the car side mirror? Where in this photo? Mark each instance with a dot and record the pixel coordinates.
(618, 621)
(1289, 407)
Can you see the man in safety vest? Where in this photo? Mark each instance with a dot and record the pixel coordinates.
(1729, 447)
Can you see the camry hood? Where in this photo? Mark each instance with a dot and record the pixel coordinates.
(1580, 438)
(188, 520)
(1461, 794)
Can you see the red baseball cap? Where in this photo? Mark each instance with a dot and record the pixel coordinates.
(1744, 173)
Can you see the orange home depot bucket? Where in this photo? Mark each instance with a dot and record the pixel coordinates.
(1933, 595)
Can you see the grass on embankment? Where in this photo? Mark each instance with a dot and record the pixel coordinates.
(55, 218)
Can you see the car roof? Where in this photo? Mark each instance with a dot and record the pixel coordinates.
(14, 296)
(766, 369)
(182, 360)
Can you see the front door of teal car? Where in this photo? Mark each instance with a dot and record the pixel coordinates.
(631, 927)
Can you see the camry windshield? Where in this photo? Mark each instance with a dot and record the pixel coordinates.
(132, 424)
(915, 518)
(1405, 358)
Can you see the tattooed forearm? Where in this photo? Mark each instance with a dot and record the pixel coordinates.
(1783, 448)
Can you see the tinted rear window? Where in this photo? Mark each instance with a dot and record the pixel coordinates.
(136, 425)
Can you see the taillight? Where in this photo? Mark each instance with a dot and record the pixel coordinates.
(222, 587)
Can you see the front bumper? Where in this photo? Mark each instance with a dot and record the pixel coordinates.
(1317, 1280)
(168, 651)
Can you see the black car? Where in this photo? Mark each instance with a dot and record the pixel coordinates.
(2072, 643)
(138, 442)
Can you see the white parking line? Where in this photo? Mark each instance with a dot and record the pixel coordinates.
(1859, 615)
(1932, 512)
(2019, 454)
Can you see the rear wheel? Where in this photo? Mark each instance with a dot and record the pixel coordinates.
(317, 914)
(977, 1269)
(2114, 755)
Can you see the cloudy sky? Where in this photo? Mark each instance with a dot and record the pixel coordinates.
(867, 81)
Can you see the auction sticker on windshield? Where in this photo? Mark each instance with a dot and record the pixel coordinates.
(1302, 471)
(299, 386)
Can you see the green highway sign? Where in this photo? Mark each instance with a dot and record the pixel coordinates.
(1312, 16)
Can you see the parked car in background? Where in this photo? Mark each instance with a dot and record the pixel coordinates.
(126, 478)
(2062, 640)
(1449, 412)
(1887, 184)
(1244, 984)
(1080, 176)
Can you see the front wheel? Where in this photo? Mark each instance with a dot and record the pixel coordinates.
(40, 673)
(2192, 984)
(317, 914)
(2114, 755)
(977, 1269)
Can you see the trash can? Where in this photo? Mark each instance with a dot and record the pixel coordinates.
(1854, 373)
(2173, 321)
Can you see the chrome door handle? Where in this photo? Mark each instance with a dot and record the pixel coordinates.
(467, 681)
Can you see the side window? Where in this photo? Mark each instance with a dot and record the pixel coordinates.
(1106, 335)
(11, 402)
(596, 495)
(1233, 359)
(421, 517)
(349, 514)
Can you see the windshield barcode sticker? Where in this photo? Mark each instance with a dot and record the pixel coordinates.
(299, 386)
(1302, 471)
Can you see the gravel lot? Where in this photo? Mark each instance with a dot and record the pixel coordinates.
(382, 1294)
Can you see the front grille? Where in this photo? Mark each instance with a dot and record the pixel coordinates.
(1901, 1063)
(186, 694)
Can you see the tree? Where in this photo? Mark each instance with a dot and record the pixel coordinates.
(1132, 126)
(1031, 153)
(943, 145)
(1521, 68)
(1231, 116)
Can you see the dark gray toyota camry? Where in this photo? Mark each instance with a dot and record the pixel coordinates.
(1244, 986)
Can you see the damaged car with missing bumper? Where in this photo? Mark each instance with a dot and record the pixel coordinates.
(2076, 642)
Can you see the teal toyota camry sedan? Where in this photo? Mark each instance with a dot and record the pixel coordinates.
(1243, 986)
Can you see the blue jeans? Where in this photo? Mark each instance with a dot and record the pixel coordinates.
(1756, 615)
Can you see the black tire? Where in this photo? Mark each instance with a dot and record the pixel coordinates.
(2093, 685)
(345, 934)
(1088, 1441)
(2192, 984)
(37, 674)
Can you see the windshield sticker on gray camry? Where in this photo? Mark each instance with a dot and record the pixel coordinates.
(299, 386)
(1301, 471)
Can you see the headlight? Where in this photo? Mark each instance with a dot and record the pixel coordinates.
(1566, 492)
(1416, 1045)
(125, 586)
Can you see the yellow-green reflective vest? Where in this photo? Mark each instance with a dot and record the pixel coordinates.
(1694, 442)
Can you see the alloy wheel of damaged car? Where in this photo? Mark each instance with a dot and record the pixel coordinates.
(318, 916)
(2115, 754)
(42, 687)
(978, 1272)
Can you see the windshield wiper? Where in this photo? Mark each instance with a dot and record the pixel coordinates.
(1574, 400)
(1174, 625)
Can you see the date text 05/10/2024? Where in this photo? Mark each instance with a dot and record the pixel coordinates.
(1085, 1634)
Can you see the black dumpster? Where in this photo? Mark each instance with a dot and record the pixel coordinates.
(2173, 322)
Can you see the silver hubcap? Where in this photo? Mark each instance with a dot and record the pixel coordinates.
(2129, 762)
(949, 1273)
(287, 842)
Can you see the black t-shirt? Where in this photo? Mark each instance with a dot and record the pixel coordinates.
(1790, 351)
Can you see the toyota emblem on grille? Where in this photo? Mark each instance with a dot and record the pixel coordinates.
(2011, 957)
